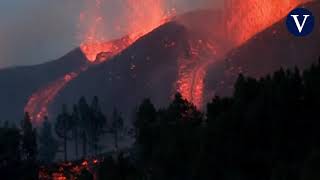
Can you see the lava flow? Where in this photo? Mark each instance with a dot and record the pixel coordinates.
(37, 105)
(193, 68)
(244, 19)
(247, 18)
(143, 16)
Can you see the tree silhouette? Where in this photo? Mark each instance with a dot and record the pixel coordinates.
(84, 115)
(75, 121)
(62, 128)
(29, 139)
(10, 154)
(96, 124)
(48, 145)
(116, 127)
(145, 118)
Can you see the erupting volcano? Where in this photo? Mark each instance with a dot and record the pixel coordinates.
(243, 19)
(94, 45)
(250, 17)
(142, 16)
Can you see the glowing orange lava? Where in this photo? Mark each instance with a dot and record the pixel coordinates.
(249, 17)
(145, 15)
(244, 19)
(92, 49)
(142, 17)
(39, 101)
(68, 170)
(192, 70)
(93, 41)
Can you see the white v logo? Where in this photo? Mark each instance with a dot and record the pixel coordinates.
(296, 20)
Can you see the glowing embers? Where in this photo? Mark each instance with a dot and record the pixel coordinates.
(192, 70)
(92, 30)
(141, 17)
(145, 15)
(68, 170)
(246, 18)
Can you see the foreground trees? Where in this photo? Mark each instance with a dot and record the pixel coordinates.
(18, 151)
(63, 127)
(116, 128)
(85, 125)
(29, 139)
(48, 145)
(268, 129)
(96, 127)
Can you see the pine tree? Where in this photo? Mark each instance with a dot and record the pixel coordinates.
(29, 139)
(84, 121)
(10, 153)
(76, 129)
(97, 124)
(62, 127)
(145, 118)
(180, 110)
(117, 127)
(48, 145)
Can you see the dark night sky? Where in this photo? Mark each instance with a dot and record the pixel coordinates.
(35, 31)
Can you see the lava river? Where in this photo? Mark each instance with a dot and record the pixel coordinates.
(143, 16)
(244, 19)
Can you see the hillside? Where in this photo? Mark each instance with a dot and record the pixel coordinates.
(266, 52)
(158, 64)
(18, 83)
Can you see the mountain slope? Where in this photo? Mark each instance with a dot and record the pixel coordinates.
(18, 83)
(265, 53)
(148, 68)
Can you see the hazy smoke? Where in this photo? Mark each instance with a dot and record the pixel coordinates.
(35, 31)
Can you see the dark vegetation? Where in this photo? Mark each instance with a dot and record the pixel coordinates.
(267, 130)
